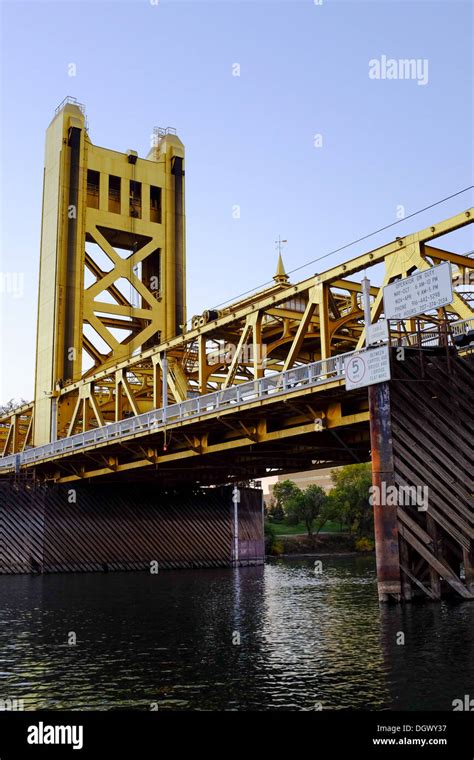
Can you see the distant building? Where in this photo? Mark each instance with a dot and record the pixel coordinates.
(303, 480)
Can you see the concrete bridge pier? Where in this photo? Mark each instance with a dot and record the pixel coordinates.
(127, 526)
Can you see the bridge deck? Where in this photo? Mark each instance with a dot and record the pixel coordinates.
(298, 419)
(266, 411)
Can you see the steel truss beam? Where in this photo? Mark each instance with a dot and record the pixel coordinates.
(278, 328)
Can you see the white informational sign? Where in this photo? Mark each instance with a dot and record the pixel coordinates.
(418, 293)
(367, 368)
(377, 332)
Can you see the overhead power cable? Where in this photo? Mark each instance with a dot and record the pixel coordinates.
(348, 245)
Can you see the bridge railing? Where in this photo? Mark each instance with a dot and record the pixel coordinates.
(434, 335)
(316, 373)
(309, 375)
(457, 328)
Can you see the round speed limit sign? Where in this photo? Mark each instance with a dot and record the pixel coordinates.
(356, 369)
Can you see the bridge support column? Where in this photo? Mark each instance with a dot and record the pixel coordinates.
(126, 526)
(385, 512)
(431, 400)
(405, 562)
(435, 579)
(468, 558)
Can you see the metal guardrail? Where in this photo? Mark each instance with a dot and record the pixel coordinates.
(431, 337)
(462, 326)
(310, 375)
(316, 373)
(73, 101)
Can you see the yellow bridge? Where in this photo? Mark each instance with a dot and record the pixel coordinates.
(126, 385)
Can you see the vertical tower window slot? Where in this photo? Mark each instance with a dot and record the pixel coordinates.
(114, 194)
(155, 204)
(136, 199)
(93, 184)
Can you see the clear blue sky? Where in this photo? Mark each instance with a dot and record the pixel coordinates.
(249, 139)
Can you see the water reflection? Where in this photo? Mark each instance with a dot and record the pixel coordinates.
(435, 665)
(170, 640)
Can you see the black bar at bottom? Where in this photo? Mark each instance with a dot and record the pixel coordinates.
(125, 734)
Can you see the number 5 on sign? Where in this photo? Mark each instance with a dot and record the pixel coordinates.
(367, 368)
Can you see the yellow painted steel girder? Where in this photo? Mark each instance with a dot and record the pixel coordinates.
(284, 326)
(113, 262)
(112, 265)
(191, 440)
(283, 322)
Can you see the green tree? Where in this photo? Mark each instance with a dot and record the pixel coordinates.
(283, 491)
(272, 545)
(309, 507)
(275, 513)
(349, 498)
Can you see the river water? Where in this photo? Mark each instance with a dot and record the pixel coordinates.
(171, 641)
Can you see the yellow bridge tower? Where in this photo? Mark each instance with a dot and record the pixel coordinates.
(112, 268)
(127, 397)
